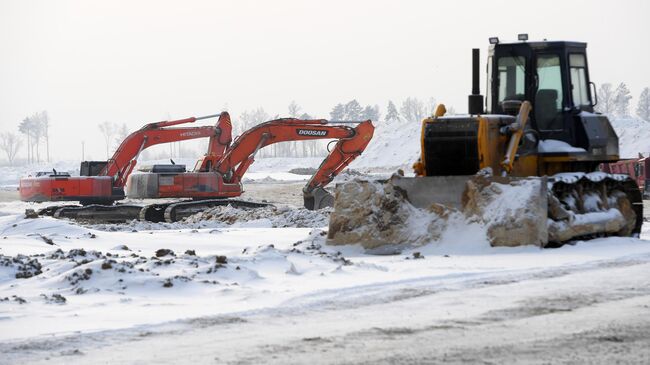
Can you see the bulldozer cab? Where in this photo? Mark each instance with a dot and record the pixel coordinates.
(553, 76)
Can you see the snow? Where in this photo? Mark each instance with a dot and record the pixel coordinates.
(264, 268)
(633, 136)
(555, 146)
(395, 144)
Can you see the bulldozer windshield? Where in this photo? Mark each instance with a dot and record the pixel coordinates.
(512, 77)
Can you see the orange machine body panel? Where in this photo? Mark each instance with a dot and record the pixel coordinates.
(40, 189)
(187, 185)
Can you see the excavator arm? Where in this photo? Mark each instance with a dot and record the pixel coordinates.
(125, 157)
(351, 143)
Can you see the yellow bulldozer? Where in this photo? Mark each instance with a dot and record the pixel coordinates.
(524, 160)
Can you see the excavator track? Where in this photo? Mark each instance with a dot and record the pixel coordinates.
(51, 210)
(590, 205)
(100, 213)
(163, 212)
(175, 211)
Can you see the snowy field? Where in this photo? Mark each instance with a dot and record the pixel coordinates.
(253, 288)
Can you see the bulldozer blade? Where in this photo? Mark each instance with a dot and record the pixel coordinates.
(416, 210)
(317, 199)
(424, 191)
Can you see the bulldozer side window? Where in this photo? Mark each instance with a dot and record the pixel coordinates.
(579, 89)
(488, 89)
(548, 100)
(512, 77)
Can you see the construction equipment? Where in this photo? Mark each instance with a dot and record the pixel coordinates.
(636, 168)
(216, 177)
(539, 131)
(219, 174)
(102, 182)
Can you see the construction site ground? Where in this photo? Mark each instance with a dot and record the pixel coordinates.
(266, 290)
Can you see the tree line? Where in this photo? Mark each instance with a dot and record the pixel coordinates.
(615, 102)
(36, 129)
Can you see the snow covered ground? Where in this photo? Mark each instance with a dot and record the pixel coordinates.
(198, 291)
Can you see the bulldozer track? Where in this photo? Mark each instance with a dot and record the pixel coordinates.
(584, 193)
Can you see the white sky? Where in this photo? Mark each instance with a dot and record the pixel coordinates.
(139, 61)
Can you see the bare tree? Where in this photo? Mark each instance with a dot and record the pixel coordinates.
(622, 99)
(338, 112)
(431, 106)
(249, 119)
(35, 127)
(25, 127)
(643, 107)
(10, 143)
(606, 99)
(45, 131)
(294, 109)
(120, 135)
(108, 130)
(353, 110)
(392, 115)
(413, 110)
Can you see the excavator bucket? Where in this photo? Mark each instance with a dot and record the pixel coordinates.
(317, 199)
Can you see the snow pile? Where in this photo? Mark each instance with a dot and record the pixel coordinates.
(555, 146)
(633, 137)
(393, 145)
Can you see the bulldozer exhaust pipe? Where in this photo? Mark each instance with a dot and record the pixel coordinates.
(475, 104)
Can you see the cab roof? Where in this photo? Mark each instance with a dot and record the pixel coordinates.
(542, 44)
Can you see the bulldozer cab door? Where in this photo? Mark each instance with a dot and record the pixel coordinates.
(550, 115)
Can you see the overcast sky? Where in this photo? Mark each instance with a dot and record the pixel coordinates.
(133, 62)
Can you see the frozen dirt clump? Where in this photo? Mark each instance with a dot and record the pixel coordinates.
(54, 299)
(376, 214)
(509, 210)
(282, 216)
(21, 266)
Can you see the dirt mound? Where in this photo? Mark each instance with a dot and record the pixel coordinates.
(278, 216)
(375, 214)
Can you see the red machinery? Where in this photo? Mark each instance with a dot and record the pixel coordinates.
(102, 182)
(637, 169)
(216, 176)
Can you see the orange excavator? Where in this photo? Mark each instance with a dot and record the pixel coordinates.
(216, 176)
